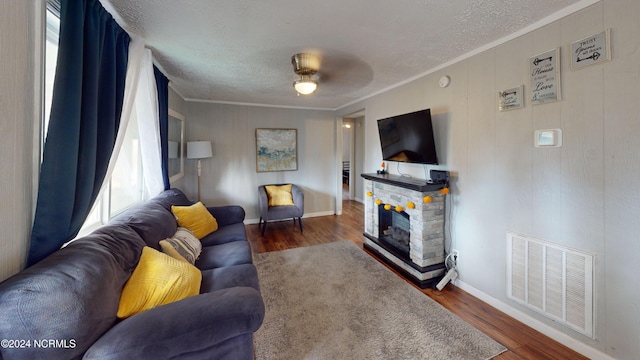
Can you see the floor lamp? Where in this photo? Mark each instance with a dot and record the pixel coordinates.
(199, 150)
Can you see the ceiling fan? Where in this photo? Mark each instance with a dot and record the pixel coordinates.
(305, 66)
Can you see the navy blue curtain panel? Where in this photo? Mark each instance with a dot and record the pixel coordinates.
(162, 83)
(87, 101)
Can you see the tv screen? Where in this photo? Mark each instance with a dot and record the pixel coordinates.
(408, 138)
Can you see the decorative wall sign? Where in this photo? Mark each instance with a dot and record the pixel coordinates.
(545, 77)
(276, 150)
(510, 99)
(591, 50)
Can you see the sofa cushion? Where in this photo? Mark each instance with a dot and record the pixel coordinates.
(151, 221)
(170, 197)
(196, 218)
(158, 279)
(183, 245)
(244, 275)
(227, 215)
(225, 234)
(284, 212)
(72, 294)
(229, 254)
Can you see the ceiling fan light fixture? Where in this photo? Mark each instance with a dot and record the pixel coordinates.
(305, 85)
(305, 66)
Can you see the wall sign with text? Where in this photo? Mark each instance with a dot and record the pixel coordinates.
(510, 99)
(591, 50)
(545, 77)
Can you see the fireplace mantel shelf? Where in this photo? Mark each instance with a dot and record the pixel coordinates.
(404, 182)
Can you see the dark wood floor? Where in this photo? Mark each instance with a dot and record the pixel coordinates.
(521, 341)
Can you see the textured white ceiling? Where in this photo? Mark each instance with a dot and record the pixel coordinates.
(240, 50)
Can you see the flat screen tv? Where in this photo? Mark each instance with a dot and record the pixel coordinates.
(408, 138)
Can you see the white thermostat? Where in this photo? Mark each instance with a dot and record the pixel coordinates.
(548, 138)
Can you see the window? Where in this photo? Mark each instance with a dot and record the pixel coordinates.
(126, 186)
(51, 58)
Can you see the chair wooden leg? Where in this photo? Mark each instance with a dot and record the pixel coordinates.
(264, 227)
(299, 223)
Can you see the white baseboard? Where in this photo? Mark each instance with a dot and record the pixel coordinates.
(315, 214)
(554, 334)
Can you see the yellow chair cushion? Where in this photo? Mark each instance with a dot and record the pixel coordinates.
(279, 195)
(196, 218)
(158, 279)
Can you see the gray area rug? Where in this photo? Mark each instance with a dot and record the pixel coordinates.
(334, 301)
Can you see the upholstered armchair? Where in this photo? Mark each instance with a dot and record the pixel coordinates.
(285, 204)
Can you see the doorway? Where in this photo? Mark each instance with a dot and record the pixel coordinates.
(347, 153)
(350, 158)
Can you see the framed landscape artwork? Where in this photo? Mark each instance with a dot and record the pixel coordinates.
(276, 150)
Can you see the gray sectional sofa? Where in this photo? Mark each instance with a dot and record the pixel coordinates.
(65, 306)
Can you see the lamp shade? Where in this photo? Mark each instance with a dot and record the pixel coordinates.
(199, 150)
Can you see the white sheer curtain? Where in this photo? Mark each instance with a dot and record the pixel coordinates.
(136, 53)
(149, 127)
(140, 95)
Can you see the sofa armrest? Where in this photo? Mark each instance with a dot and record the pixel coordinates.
(185, 326)
(226, 215)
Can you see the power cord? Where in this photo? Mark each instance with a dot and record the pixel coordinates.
(400, 172)
(451, 260)
(449, 206)
(450, 263)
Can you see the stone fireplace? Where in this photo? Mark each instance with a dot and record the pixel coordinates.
(409, 238)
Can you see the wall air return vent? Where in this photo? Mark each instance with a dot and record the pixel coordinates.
(552, 280)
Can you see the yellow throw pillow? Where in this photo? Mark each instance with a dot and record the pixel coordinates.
(158, 279)
(279, 195)
(196, 218)
(183, 245)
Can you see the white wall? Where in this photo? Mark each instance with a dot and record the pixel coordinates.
(584, 195)
(19, 99)
(347, 133)
(230, 177)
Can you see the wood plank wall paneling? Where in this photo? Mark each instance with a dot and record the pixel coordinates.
(18, 99)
